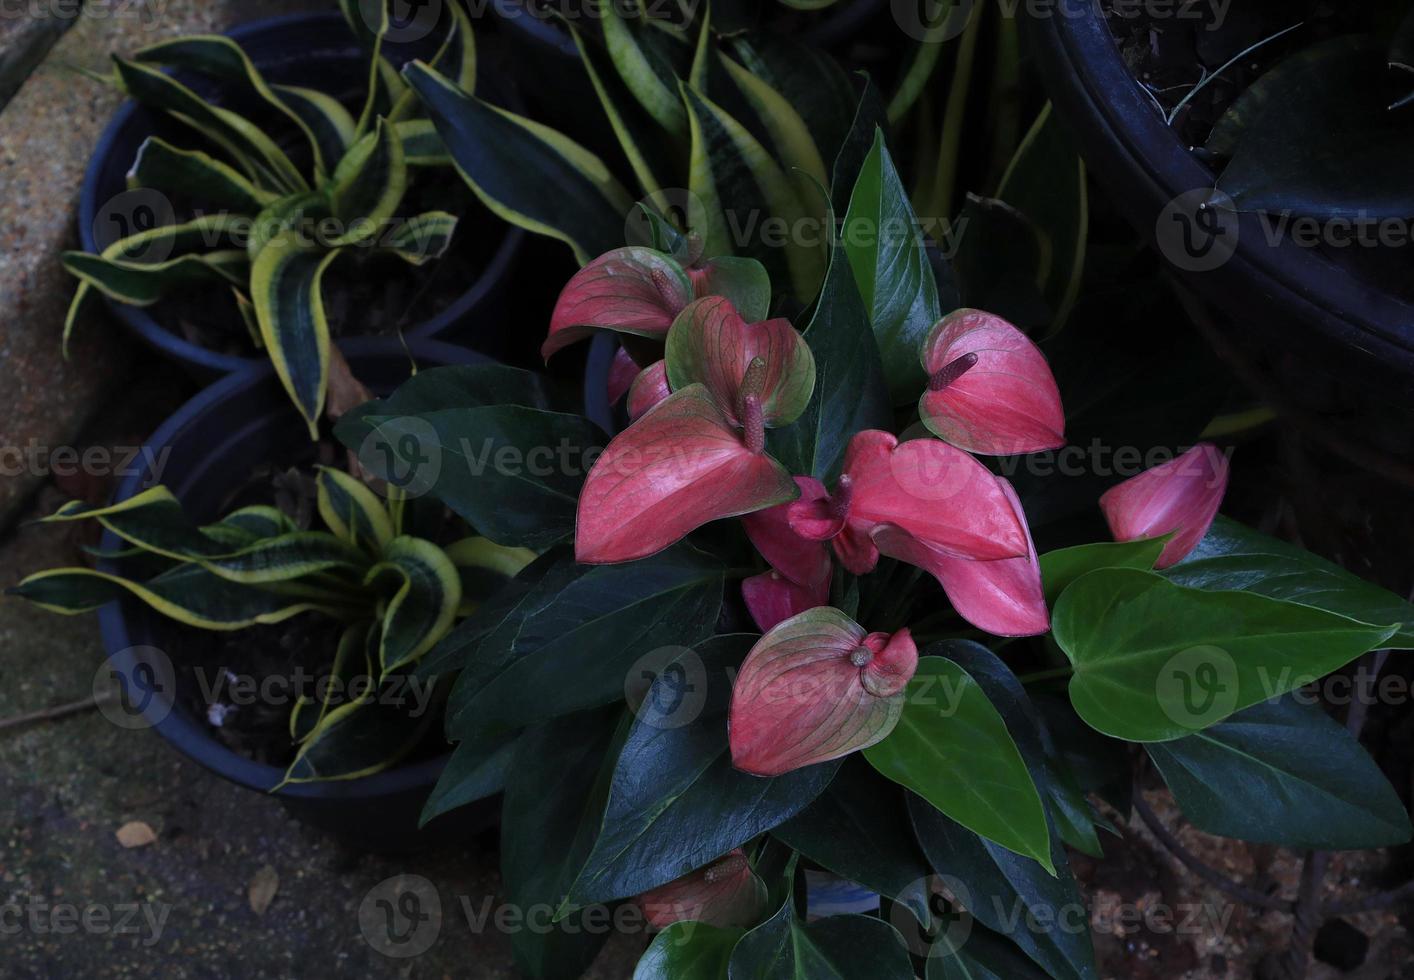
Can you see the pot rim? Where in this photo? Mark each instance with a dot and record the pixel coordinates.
(187, 733)
(1088, 77)
(141, 322)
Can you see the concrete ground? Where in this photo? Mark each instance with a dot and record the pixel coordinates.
(196, 901)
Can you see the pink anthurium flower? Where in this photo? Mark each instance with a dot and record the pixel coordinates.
(632, 290)
(726, 893)
(990, 390)
(800, 567)
(815, 688)
(678, 467)
(771, 598)
(1003, 597)
(937, 494)
(1180, 497)
(648, 389)
(711, 344)
(623, 371)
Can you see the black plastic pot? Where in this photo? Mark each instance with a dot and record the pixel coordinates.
(212, 444)
(315, 51)
(1278, 295)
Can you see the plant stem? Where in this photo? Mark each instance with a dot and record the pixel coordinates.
(1047, 675)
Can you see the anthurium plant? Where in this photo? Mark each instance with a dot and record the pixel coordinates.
(273, 217)
(388, 594)
(795, 611)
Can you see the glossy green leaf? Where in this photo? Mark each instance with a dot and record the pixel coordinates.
(1001, 889)
(1156, 661)
(364, 737)
(1315, 137)
(526, 172)
(285, 285)
(952, 748)
(1284, 773)
(554, 792)
(1061, 567)
(981, 955)
(563, 636)
(859, 829)
(1233, 556)
(891, 268)
(688, 951)
(477, 769)
(676, 802)
(512, 472)
(841, 947)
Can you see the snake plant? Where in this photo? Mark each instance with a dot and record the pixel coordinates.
(392, 593)
(273, 230)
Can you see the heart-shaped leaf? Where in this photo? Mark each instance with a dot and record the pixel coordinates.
(1155, 661)
(1238, 558)
(676, 803)
(952, 748)
(677, 468)
(1283, 773)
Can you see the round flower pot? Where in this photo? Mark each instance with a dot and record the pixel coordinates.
(1278, 295)
(211, 445)
(314, 51)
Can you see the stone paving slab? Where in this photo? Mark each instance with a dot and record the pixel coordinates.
(47, 133)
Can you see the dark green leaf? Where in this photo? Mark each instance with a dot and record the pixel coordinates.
(676, 802)
(476, 770)
(1233, 556)
(1283, 773)
(688, 951)
(841, 947)
(566, 637)
(1060, 568)
(1155, 661)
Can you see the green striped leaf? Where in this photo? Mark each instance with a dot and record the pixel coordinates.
(222, 59)
(285, 288)
(368, 185)
(422, 144)
(258, 154)
(646, 74)
(640, 137)
(142, 284)
(330, 127)
(249, 525)
(153, 520)
(159, 164)
(790, 136)
(529, 174)
(484, 566)
(426, 591)
(352, 511)
(456, 59)
(350, 661)
(189, 594)
(741, 187)
(288, 557)
(422, 238)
